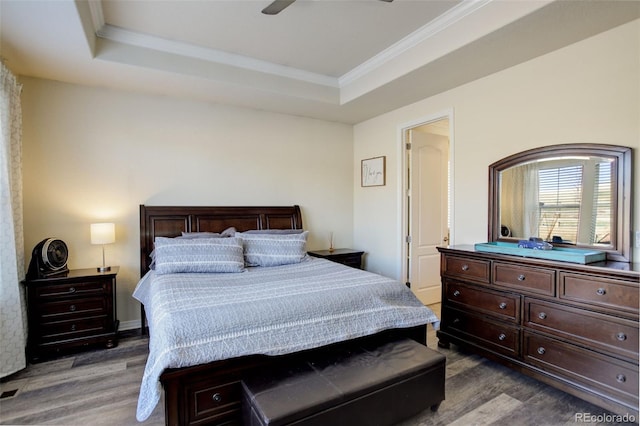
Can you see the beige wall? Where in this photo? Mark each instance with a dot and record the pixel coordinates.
(95, 155)
(588, 92)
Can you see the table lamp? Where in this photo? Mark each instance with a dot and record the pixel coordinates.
(103, 233)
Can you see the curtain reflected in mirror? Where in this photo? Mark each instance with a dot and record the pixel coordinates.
(562, 200)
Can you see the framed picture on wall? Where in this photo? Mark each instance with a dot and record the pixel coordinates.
(373, 171)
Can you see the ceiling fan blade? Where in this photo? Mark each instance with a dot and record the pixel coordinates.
(276, 7)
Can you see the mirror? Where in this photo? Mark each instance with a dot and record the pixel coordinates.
(572, 195)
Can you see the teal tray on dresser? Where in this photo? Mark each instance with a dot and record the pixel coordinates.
(562, 254)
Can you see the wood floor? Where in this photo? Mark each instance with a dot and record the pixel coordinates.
(100, 387)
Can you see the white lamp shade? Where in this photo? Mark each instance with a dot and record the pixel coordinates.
(103, 233)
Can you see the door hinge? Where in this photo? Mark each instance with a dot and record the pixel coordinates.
(408, 238)
(408, 146)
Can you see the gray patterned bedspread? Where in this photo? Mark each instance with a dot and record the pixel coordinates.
(198, 318)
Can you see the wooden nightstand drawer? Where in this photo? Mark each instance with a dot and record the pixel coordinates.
(526, 279)
(72, 308)
(468, 269)
(71, 329)
(584, 366)
(599, 331)
(506, 306)
(499, 337)
(80, 289)
(600, 292)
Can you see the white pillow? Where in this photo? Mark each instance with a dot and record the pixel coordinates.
(273, 249)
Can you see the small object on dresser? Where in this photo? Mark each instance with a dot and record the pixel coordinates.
(345, 256)
(535, 243)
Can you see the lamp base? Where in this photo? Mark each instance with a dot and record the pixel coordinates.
(103, 268)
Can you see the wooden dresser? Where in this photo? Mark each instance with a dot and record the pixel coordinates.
(572, 326)
(71, 311)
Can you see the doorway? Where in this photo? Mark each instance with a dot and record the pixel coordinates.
(426, 204)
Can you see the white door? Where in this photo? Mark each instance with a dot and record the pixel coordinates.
(428, 211)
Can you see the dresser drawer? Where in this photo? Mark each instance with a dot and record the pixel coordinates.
(71, 329)
(80, 289)
(466, 269)
(599, 291)
(72, 308)
(589, 368)
(496, 336)
(525, 279)
(598, 331)
(214, 404)
(506, 306)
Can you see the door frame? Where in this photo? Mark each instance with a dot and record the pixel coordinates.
(403, 182)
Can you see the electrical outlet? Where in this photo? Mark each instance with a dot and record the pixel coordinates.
(637, 239)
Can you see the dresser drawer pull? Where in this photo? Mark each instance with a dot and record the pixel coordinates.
(621, 336)
(72, 289)
(456, 321)
(456, 293)
(216, 397)
(503, 305)
(465, 267)
(73, 327)
(541, 350)
(72, 308)
(521, 277)
(601, 291)
(502, 336)
(542, 315)
(621, 378)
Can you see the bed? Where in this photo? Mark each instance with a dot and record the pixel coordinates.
(204, 337)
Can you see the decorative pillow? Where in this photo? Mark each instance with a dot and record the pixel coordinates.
(273, 249)
(229, 232)
(274, 231)
(174, 255)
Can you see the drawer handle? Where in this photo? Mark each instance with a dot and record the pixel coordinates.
(217, 397)
(456, 320)
(542, 315)
(620, 378)
(502, 336)
(621, 336)
(601, 291)
(73, 327)
(72, 308)
(72, 289)
(465, 267)
(521, 277)
(541, 350)
(503, 305)
(456, 293)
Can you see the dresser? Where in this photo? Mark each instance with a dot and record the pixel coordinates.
(345, 256)
(572, 326)
(71, 311)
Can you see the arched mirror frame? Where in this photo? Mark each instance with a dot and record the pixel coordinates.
(621, 226)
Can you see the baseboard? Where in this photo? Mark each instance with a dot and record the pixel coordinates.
(129, 325)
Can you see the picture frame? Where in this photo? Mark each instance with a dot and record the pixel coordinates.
(373, 171)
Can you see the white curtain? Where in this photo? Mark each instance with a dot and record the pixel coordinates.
(12, 306)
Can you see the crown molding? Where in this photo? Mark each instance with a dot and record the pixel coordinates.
(419, 36)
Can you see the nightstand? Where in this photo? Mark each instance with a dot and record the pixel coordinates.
(75, 310)
(345, 256)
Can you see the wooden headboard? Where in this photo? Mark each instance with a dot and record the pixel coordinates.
(171, 221)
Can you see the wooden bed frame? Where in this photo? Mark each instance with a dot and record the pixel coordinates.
(211, 393)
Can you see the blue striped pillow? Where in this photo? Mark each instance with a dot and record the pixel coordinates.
(175, 255)
(273, 249)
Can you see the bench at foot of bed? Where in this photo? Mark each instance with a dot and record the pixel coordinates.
(361, 385)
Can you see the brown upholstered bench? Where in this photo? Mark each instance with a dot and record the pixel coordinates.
(362, 385)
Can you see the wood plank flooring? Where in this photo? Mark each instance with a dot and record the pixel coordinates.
(100, 387)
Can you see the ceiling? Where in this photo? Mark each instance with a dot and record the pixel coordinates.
(337, 60)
